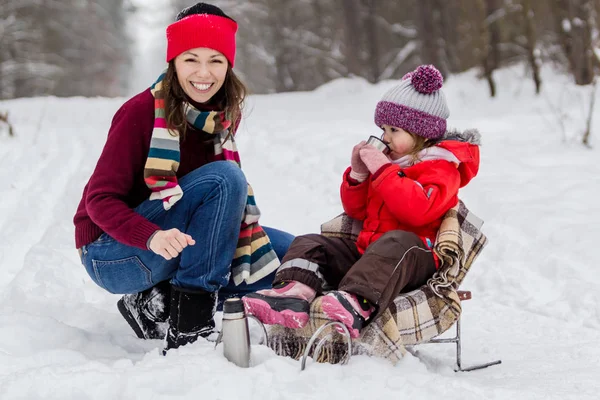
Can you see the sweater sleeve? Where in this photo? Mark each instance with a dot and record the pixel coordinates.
(122, 159)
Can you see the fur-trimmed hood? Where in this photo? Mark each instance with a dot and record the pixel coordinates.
(470, 136)
(465, 146)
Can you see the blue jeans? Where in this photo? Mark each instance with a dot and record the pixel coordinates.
(210, 211)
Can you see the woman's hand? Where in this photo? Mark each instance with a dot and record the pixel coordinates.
(170, 243)
(359, 169)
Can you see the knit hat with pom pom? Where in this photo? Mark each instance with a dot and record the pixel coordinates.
(416, 105)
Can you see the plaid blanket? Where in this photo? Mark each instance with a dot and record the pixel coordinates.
(414, 317)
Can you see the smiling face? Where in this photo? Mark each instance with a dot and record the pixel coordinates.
(399, 141)
(201, 73)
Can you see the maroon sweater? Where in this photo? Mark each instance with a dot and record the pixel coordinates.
(117, 184)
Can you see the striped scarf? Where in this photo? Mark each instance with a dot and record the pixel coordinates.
(254, 257)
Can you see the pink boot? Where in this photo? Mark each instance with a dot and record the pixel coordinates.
(348, 309)
(287, 304)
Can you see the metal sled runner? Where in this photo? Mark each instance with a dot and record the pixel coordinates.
(463, 295)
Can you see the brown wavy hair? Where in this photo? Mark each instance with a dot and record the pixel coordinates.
(420, 144)
(230, 98)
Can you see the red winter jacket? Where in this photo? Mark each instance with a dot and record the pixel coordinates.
(412, 199)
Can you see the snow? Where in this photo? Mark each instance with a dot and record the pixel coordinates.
(535, 287)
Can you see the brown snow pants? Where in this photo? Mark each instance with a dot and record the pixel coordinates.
(398, 262)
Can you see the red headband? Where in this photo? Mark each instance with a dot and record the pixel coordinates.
(202, 30)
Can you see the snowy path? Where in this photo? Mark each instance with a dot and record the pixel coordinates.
(535, 286)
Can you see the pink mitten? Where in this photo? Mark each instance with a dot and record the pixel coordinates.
(359, 170)
(373, 158)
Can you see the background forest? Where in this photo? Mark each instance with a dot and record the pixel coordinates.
(84, 47)
(66, 67)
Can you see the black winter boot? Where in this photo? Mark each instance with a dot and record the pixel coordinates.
(147, 312)
(190, 316)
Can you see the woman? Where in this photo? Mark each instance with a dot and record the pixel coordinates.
(167, 216)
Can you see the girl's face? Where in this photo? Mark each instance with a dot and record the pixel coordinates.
(399, 141)
(201, 73)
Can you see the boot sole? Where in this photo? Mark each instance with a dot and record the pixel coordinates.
(335, 310)
(288, 312)
(130, 319)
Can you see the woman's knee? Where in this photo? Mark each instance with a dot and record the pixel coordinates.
(222, 174)
(230, 171)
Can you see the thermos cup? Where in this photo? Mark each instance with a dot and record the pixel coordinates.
(378, 144)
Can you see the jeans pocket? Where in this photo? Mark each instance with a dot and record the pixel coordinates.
(127, 275)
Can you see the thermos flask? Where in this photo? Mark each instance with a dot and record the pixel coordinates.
(234, 333)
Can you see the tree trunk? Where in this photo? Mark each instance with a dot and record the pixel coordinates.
(488, 57)
(428, 32)
(277, 22)
(4, 118)
(588, 126)
(572, 20)
(531, 44)
(449, 35)
(323, 33)
(352, 45)
(372, 42)
(492, 6)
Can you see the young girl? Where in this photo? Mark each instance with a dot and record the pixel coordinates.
(167, 216)
(401, 200)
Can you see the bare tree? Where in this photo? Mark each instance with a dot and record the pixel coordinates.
(449, 35)
(23, 62)
(4, 120)
(67, 47)
(572, 19)
(397, 39)
(428, 24)
(530, 37)
(588, 126)
(490, 57)
(372, 48)
(352, 43)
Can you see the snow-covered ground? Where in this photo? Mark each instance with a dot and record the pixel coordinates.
(535, 286)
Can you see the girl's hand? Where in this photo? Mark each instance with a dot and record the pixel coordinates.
(170, 243)
(359, 169)
(373, 158)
